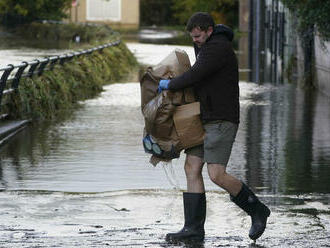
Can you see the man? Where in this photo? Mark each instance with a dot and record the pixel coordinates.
(214, 77)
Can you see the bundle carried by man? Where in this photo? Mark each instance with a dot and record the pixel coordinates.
(172, 121)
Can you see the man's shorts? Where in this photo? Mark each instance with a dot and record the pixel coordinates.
(218, 142)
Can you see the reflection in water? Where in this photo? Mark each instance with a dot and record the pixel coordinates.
(286, 142)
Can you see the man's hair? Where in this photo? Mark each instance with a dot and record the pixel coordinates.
(200, 20)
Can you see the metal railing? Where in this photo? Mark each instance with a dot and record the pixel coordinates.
(13, 73)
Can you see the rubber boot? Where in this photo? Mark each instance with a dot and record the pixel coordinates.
(194, 215)
(259, 212)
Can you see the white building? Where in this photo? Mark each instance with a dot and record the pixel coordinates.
(124, 13)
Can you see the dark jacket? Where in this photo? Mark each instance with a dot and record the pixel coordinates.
(214, 77)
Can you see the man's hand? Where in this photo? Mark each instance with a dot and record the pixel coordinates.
(163, 85)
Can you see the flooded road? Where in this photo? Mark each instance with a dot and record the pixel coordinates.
(85, 181)
(14, 50)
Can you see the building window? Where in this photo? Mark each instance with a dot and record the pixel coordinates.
(104, 10)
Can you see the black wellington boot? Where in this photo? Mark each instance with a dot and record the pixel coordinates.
(258, 211)
(194, 215)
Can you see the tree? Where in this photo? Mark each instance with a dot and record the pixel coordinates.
(310, 14)
(175, 12)
(223, 11)
(25, 11)
(157, 12)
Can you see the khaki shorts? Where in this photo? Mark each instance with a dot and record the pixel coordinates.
(218, 142)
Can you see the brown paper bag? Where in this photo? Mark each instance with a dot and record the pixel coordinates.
(176, 63)
(170, 117)
(188, 124)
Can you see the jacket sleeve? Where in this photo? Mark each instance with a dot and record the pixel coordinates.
(211, 58)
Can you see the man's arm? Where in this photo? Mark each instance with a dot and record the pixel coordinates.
(210, 59)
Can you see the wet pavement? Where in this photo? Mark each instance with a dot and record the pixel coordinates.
(85, 181)
(141, 218)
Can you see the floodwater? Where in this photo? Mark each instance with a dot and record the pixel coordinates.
(14, 50)
(85, 181)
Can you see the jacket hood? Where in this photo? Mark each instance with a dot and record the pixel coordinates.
(224, 30)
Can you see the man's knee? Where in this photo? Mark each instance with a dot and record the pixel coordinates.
(193, 166)
(217, 173)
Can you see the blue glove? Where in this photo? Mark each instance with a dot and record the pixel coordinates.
(163, 85)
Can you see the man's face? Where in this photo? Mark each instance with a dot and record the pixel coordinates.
(199, 36)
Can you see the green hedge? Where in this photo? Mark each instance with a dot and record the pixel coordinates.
(65, 32)
(310, 14)
(47, 96)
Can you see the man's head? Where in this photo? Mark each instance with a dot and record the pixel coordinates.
(200, 26)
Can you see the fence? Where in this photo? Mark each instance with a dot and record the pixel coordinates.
(13, 73)
(266, 40)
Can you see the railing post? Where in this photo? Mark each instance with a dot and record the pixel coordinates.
(63, 59)
(18, 75)
(53, 62)
(34, 65)
(43, 64)
(4, 78)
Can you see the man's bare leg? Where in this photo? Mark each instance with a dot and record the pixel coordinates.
(219, 176)
(193, 168)
(243, 197)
